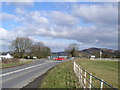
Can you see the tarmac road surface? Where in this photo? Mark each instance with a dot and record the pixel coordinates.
(20, 76)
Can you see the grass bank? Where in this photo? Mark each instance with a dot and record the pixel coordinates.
(62, 76)
(2, 65)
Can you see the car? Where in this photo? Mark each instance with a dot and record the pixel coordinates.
(59, 58)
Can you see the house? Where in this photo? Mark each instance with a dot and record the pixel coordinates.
(8, 56)
(92, 56)
(34, 57)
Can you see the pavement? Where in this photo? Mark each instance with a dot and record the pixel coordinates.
(20, 76)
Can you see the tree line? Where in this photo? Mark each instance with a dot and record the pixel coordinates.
(24, 47)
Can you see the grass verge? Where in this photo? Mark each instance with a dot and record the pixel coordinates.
(61, 76)
(14, 64)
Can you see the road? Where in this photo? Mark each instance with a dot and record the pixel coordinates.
(20, 76)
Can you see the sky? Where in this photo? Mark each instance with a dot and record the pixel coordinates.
(58, 24)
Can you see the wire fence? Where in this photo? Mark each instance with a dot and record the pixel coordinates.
(87, 80)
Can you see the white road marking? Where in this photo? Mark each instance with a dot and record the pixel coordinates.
(5, 74)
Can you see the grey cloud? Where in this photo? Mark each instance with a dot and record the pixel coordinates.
(34, 18)
(21, 4)
(7, 17)
(98, 14)
(62, 18)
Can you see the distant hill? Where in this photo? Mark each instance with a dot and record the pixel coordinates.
(106, 53)
(92, 50)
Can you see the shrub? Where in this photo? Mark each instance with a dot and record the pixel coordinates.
(6, 61)
(15, 60)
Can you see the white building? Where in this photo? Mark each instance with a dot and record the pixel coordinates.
(8, 56)
(34, 57)
(92, 56)
(63, 56)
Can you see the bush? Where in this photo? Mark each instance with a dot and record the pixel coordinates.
(15, 60)
(6, 61)
(25, 57)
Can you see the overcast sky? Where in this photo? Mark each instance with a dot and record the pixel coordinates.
(61, 23)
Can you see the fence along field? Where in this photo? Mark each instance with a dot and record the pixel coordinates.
(87, 80)
(63, 76)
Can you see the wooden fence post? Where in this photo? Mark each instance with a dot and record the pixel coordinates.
(81, 76)
(85, 79)
(101, 86)
(90, 81)
(74, 66)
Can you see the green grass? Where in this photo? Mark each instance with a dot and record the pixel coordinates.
(14, 64)
(62, 76)
(106, 70)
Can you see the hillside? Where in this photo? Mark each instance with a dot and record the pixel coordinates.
(106, 53)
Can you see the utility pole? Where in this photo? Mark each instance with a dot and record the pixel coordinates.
(100, 55)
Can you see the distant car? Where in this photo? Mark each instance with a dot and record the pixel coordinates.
(59, 58)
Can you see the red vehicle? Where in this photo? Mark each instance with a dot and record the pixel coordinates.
(59, 58)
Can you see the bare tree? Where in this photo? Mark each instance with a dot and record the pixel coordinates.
(72, 50)
(39, 50)
(73, 46)
(21, 45)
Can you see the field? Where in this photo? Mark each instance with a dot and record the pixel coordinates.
(62, 76)
(106, 70)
